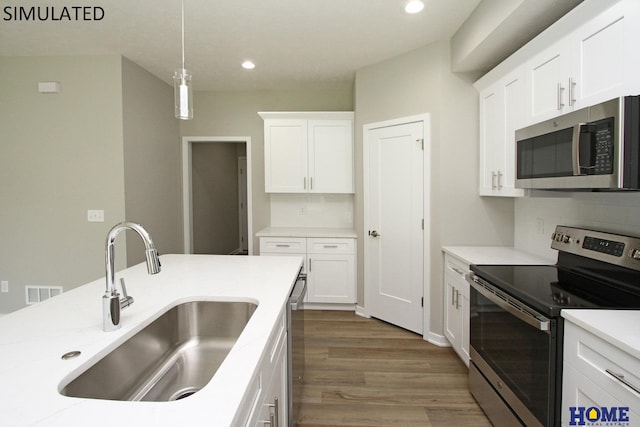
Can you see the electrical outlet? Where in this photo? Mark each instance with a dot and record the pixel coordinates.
(4, 286)
(95, 215)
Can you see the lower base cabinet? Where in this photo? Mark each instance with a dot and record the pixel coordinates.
(456, 306)
(330, 265)
(600, 382)
(266, 400)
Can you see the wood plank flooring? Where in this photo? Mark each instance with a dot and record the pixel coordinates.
(364, 372)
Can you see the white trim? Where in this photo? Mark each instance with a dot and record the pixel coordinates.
(436, 339)
(328, 306)
(426, 129)
(360, 311)
(187, 203)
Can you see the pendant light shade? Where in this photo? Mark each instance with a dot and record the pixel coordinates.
(183, 91)
(183, 94)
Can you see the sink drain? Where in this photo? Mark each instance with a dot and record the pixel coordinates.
(181, 394)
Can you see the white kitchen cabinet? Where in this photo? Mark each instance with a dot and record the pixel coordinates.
(501, 113)
(267, 403)
(590, 367)
(308, 152)
(456, 306)
(605, 64)
(592, 64)
(330, 264)
(331, 271)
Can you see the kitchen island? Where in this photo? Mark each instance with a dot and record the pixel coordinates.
(33, 340)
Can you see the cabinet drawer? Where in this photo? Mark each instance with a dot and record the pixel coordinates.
(455, 266)
(288, 245)
(330, 246)
(599, 361)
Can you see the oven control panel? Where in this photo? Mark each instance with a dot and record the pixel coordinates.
(609, 247)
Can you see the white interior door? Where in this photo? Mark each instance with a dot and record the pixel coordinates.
(394, 191)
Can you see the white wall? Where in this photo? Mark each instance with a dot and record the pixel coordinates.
(615, 212)
(60, 154)
(107, 141)
(151, 139)
(421, 82)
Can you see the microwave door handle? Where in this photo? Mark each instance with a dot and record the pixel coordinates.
(576, 149)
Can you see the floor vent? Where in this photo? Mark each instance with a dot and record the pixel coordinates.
(36, 294)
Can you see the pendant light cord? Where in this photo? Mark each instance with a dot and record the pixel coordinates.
(183, 34)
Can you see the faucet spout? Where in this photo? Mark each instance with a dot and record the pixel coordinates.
(112, 304)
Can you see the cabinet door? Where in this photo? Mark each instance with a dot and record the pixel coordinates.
(514, 116)
(501, 114)
(331, 278)
(285, 156)
(274, 405)
(547, 76)
(330, 156)
(452, 318)
(605, 56)
(491, 138)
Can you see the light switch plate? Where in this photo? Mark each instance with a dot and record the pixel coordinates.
(95, 215)
(4, 286)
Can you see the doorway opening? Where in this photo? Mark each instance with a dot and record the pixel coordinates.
(216, 185)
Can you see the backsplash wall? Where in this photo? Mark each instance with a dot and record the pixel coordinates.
(312, 210)
(537, 217)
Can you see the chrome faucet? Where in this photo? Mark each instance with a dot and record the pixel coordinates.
(112, 304)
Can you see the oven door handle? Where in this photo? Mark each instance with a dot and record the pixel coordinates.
(508, 304)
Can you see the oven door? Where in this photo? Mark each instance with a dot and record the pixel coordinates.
(515, 350)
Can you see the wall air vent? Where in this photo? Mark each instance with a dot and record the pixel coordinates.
(36, 294)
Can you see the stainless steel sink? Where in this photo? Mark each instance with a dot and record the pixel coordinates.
(172, 358)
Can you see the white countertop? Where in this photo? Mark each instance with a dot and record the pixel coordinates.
(32, 341)
(494, 255)
(621, 328)
(307, 232)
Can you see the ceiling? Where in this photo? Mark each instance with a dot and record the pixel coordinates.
(294, 43)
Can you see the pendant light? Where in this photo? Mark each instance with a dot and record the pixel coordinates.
(183, 92)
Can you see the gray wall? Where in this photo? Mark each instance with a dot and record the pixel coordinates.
(214, 187)
(231, 113)
(151, 138)
(421, 82)
(60, 154)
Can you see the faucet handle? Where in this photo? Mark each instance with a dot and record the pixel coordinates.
(126, 300)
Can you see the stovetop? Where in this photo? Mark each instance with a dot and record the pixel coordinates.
(595, 269)
(551, 288)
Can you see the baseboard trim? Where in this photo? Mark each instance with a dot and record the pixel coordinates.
(436, 339)
(360, 311)
(329, 306)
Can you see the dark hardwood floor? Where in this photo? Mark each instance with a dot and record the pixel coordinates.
(364, 372)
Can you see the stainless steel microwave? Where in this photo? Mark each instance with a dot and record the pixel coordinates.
(595, 148)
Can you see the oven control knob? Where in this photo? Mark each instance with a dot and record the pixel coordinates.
(635, 254)
(566, 239)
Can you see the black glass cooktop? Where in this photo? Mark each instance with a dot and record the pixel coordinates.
(551, 288)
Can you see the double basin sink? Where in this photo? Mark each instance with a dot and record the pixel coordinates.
(171, 358)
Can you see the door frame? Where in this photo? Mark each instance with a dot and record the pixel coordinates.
(426, 129)
(187, 202)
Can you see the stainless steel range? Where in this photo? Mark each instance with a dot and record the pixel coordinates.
(516, 334)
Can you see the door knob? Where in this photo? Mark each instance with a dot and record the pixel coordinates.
(374, 233)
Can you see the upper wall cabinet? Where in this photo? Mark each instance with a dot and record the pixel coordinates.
(501, 113)
(587, 57)
(308, 152)
(594, 63)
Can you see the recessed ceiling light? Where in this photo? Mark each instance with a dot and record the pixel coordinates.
(413, 6)
(248, 65)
